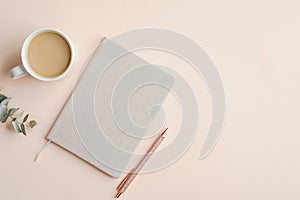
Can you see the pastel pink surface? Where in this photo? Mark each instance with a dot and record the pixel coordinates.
(255, 46)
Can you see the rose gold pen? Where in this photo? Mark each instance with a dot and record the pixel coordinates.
(132, 174)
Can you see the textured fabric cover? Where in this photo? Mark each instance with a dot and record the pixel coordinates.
(90, 143)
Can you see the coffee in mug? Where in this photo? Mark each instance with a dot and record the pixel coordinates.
(47, 54)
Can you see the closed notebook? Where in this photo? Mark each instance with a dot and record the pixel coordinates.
(87, 126)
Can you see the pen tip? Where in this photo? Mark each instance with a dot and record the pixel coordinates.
(163, 133)
(118, 195)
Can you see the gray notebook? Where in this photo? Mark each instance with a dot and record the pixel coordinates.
(108, 112)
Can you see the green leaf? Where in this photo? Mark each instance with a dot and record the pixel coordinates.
(5, 117)
(15, 124)
(5, 102)
(25, 118)
(32, 123)
(23, 130)
(3, 111)
(2, 97)
(12, 111)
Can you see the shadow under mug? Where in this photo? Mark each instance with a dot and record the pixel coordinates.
(25, 68)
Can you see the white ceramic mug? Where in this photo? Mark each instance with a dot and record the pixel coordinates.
(25, 68)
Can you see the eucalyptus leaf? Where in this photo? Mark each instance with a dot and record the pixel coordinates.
(6, 113)
(23, 130)
(5, 102)
(15, 124)
(2, 97)
(25, 118)
(3, 110)
(32, 123)
(5, 117)
(12, 111)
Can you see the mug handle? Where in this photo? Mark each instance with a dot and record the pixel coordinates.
(18, 72)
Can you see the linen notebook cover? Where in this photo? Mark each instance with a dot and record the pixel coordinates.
(87, 126)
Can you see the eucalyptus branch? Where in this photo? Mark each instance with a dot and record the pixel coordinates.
(19, 124)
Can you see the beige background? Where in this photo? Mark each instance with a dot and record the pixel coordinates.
(255, 46)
